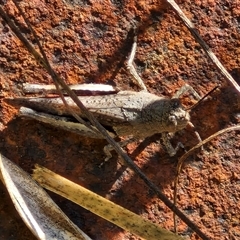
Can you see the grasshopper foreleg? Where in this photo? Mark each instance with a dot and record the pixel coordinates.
(170, 149)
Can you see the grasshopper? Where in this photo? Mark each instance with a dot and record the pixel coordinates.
(125, 113)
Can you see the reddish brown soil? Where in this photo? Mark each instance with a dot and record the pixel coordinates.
(88, 41)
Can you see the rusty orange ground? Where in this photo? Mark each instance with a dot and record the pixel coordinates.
(88, 41)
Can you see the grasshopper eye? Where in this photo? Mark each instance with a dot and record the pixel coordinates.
(175, 103)
(173, 120)
(183, 118)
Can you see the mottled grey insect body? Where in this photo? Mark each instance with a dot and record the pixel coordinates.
(125, 113)
(128, 113)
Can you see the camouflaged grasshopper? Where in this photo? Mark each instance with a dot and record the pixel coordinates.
(125, 113)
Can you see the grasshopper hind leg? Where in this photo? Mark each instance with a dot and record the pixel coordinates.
(131, 67)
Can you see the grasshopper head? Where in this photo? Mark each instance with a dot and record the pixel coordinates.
(178, 117)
